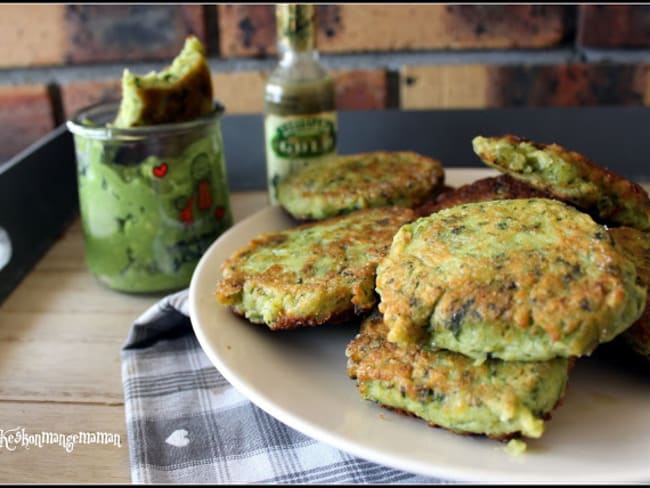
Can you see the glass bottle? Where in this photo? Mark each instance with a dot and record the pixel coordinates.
(300, 123)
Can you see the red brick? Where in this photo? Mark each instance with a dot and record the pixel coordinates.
(32, 35)
(489, 86)
(25, 116)
(243, 91)
(573, 85)
(361, 89)
(614, 26)
(249, 30)
(444, 86)
(119, 33)
(417, 27)
(75, 96)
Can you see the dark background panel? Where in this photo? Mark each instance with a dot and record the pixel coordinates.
(617, 138)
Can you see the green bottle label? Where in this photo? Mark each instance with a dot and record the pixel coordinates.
(304, 138)
(295, 141)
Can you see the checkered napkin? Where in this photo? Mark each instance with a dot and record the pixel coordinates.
(187, 424)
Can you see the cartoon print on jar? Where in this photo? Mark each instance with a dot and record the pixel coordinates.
(201, 176)
(201, 200)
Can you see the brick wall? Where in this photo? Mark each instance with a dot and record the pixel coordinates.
(56, 58)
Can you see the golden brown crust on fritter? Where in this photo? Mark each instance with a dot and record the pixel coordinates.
(569, 176)
(180, 102)
(180, 92)
(311, 274)
(636, 244)
(449, 382)
(502, 187)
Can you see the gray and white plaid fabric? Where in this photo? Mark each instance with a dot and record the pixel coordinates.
(187, 424)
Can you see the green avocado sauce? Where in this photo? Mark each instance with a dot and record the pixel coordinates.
(146, 219)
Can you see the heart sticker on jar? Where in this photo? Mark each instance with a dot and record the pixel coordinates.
(160, 170)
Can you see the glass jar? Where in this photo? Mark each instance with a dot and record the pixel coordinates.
(152, 199)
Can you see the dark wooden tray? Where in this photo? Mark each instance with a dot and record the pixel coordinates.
(38, 200)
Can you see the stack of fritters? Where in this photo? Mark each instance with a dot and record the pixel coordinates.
(508, 290)
(524, 285)
(477, 301)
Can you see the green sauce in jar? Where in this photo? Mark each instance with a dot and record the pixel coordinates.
(152, 200)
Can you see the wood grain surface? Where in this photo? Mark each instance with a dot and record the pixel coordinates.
(60, 337)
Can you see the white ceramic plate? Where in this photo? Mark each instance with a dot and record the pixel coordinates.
(601, 433)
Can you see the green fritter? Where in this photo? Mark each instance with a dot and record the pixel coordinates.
(343, 184)
(180, 92)
(569, 176)
(499, 399)
(311, 274)
(636, 244)
(520, 280)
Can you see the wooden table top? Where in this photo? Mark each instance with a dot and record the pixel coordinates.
(60, 372)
